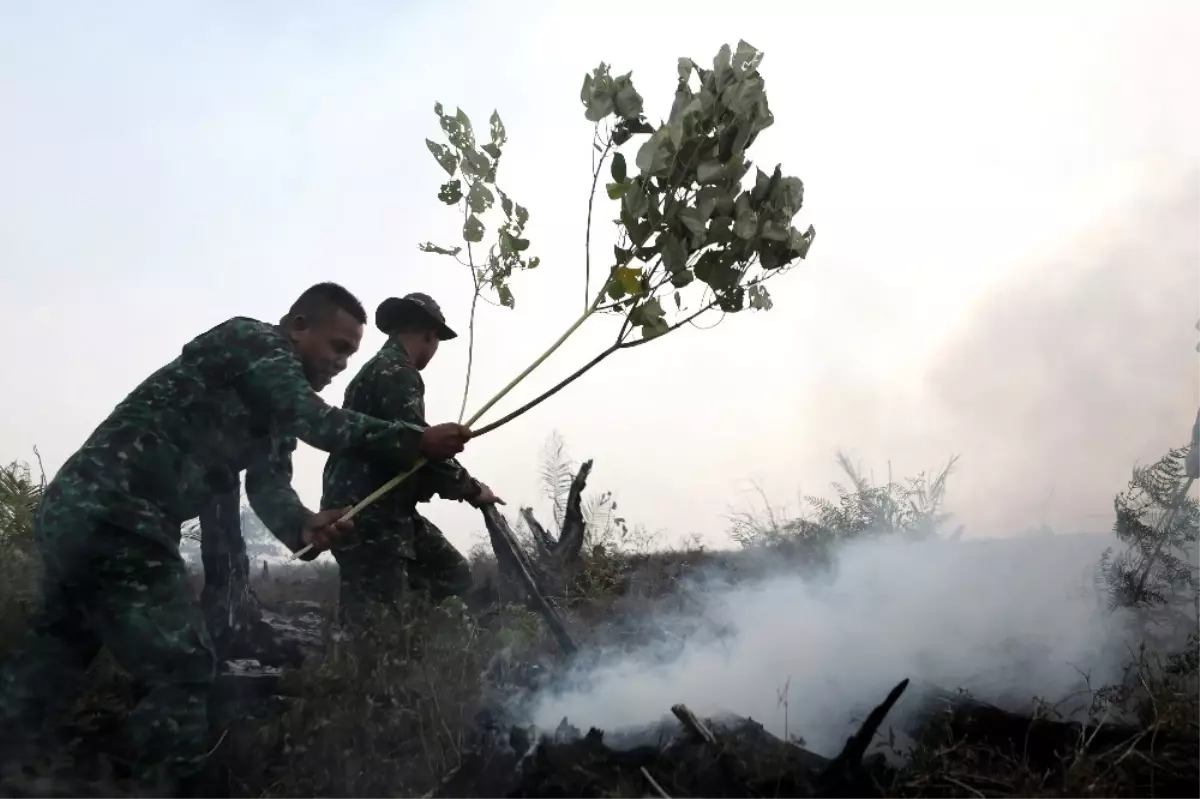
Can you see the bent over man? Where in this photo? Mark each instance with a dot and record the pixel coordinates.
(395, 548)
(108, 529)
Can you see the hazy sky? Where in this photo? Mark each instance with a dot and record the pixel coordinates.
(1007, 206)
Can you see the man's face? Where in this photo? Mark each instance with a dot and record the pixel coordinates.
(422, 358)
(325, 346)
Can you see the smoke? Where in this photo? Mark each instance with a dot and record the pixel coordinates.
(1007, 619)
(1077, 368)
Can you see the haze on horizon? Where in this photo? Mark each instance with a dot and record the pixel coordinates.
(1007, 205)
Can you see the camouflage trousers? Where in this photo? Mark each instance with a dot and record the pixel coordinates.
(105, 586)
(382, 569)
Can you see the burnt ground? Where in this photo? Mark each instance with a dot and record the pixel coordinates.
(273, 744)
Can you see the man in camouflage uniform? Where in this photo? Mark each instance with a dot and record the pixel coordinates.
(394, 547)
(108, 529)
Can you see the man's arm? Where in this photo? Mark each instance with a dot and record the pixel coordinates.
(269, 488)
(259, 363)
(398, 394)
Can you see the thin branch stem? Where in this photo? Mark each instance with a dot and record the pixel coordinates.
(587, 367)
(474, 304)
(587, 238)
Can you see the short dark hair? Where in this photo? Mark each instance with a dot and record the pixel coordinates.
(319, 302)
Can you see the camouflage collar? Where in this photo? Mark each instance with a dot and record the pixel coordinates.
(395, 346)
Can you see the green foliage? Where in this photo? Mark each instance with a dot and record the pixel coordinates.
(1158, 524)
(913, 509)
(20, 493)
(684, 214)
(472, 167)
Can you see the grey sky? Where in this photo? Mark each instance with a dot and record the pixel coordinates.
(1006, 205)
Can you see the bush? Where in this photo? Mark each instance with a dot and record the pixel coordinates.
(20, 494)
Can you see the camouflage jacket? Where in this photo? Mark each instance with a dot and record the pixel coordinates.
(236, 398)
(389, 387)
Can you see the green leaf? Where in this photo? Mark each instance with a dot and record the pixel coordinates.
(681, 279)
(800, 242)
(760, 300)
(746, 59)
(457, 129)
(505, 295)
(655, 328)
(722, 62)
(516, 243)
(622, 255)
(710, 171)
(732, 300)
(652, 155)
(790, 197)
(714, 268)
(706, 202)
(745, 226)
(625, 130)
(647, 312)
(629, 279)
(618, 168)
(775, 231)
(635, 202)
(597, 94)
(431, 247)
(499, 135)
(616, 190)
(626, 99)
(685, 67)
(505, 203)
(674, 254)
(694, 222)
(475, 164)
(473, 230)
(522, 216)
(461, 118)
(480, 198)
(444, 155)
(762, 186)
(450, 192)
(491, 150)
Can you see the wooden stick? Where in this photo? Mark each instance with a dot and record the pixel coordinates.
(693, 724)
(487, 406)
(654, 784)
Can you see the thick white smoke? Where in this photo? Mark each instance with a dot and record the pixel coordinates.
(1008, 619)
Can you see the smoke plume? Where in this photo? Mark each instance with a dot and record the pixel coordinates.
(1006, 619)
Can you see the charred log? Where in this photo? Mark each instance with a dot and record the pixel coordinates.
(240, 627)
(513, 560)
(542, 540)
(231, 609)
(574, 527)
(568, 547)
(729, 756)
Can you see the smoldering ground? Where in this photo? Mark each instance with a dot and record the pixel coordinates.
(1008, 620)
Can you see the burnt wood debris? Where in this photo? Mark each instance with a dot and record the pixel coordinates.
(684, 755)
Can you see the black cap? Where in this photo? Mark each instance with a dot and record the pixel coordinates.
(395, 311)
